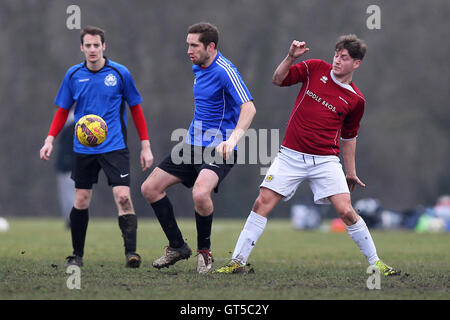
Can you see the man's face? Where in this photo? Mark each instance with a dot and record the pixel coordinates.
(196, 49)
(343, 63)
(92, 48)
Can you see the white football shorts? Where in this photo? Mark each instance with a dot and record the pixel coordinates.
(290, 168)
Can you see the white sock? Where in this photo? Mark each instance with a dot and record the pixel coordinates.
(253, 228)
(361, 235)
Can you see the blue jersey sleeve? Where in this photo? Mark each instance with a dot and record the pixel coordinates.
(235, 86)
(130, 92)
(64, 98)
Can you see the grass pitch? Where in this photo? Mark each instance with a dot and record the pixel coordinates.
(288, 264)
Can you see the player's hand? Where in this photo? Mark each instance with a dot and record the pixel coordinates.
(47, 149)
(352, 181)
(146, 156)
(225, 148)
(297, 49)
(146, 159)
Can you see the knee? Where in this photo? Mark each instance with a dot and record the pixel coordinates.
(258, 203)
(201, 197)
(262, 203)
(348, 215)
(149, 191)
(82, 200)
(145, 190)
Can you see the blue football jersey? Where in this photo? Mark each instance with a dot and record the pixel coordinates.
(219, 93)
(104, 93)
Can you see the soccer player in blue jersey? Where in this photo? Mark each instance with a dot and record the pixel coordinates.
(102, 87)
(223, 112)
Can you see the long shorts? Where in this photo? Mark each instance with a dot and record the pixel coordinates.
(189, 169)
(115, 164)
(290, 168)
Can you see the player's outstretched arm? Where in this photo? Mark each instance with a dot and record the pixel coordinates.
(246, 116)
(348, 153)
(297, 49)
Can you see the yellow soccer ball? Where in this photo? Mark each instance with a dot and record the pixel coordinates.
(91, 130)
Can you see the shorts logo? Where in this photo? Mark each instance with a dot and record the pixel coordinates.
(213, 165)
(110, 80)
(269, 178)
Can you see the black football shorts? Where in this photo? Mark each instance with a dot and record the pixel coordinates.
(189, 170)
(115, 164)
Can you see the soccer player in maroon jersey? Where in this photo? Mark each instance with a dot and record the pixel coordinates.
(328, 108)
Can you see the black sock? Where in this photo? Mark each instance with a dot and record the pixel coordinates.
(78, 225)
(204, 225)
(128, 226)
(164, 212)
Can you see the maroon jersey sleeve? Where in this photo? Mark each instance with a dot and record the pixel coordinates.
(351, 122)
(300, 71)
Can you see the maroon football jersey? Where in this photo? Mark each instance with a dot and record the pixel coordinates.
(324, 111)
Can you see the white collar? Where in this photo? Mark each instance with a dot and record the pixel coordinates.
(343, 85)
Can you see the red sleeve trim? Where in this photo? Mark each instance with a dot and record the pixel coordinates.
(139, 121)
(58, 122)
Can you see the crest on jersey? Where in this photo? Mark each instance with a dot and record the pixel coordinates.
(110, 80)
(324, 79)
(269, 178)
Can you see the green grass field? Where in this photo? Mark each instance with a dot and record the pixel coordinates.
(288, 264)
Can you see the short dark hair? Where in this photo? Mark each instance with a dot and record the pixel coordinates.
(356, 47)
(208, 33)
(93, 31)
